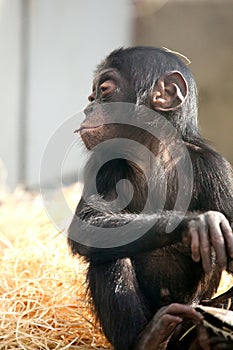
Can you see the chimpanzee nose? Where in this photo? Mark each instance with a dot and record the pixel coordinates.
(92, 97)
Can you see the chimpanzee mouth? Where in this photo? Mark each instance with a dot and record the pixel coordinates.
(87, 127)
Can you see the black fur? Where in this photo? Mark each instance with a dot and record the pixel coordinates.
(125, 282)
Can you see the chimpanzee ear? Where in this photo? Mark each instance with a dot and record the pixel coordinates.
(169, 92)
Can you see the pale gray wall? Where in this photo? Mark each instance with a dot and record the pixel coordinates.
(49, 50)
(67, 40)
(10, 27)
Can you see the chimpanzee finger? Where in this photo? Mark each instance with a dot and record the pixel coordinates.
(222, 346)
(220, 343)
(195, 245)
(203, 337)
(184, 311)
(205, 248)
(170, 321)
(191, 236)
(218, 243)
(228, 236)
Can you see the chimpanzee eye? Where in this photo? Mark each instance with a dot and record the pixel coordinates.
(107, 88)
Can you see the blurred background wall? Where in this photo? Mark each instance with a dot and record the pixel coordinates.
(48, 52)
(49, 49)
(202, 30)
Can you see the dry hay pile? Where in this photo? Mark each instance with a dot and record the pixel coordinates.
(42, 293)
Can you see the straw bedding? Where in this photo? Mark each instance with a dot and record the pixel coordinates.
(42, 288)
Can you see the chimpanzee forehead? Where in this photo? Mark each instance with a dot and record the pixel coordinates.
(102, 74)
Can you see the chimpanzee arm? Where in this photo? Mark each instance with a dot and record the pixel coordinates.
(200, 231)
(84, 230)
(212, 196)
(212, 193)
(213, 181)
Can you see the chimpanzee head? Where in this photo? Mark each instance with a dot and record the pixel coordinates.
(152, 77)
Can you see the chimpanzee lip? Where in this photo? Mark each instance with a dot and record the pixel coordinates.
(86, 127)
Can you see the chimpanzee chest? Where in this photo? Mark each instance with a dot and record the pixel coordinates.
(168, 275)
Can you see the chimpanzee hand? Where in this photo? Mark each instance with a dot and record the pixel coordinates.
(206, 230)
(210, 342)
(158, 332)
